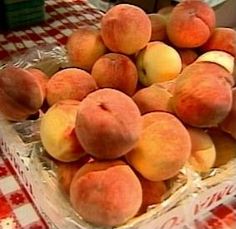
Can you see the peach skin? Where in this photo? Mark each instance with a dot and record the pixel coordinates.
(203, 152)
(84, 47)
(222, 39)
(191, 23)
(21, 94)
(225, 146)
(57, 131)
(108, 123)
(66, 171)
(69, 83)
(163, 147)
(228, 124)
(158, 62)
(158, 23)
(203, 95)
(106, 194)
(125, 29)
(153, 98)
(116, 71)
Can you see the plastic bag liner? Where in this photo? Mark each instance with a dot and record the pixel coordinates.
(48, 58)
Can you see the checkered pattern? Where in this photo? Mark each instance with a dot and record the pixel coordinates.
(221, 217)
(18, 212)
(62, 17)
(16, 208)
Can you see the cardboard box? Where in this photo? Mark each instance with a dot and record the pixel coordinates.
(18, 153)
(184, 215)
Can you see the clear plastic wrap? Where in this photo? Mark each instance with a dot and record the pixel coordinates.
(218, 175)
(48, 58)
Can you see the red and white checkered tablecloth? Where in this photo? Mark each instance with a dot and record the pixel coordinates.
(16, 208)
(18, 212)
(62, 17)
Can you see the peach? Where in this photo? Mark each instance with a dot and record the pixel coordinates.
(234, 71)
(153, 98)
(188, 56)
(158, 62)
(158, 23)
(203, 153)
(225, 146)
(153, 192)
(222, 58)
(21, 94)
(106, 193)
(166, 11)
(116, 71)
(66, 171)
(222, 39)
(203, 96)
(163, 147)
(190, 24)
(84, 47)
(108, 123)
(125, 29)
(57, 131)
(69, 83)
(41, 77)
(228, 124)
(169, 85)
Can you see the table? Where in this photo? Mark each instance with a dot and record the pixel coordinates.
(62, 17)
(17, 210)
(16, 207)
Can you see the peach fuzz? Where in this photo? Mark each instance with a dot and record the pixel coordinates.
(41, 77)
(188, 56)
(125, 29)
(108, 123)
(203, 152)
(221, 58)
(163, 147)
(158, 62)
(158, 23)
(225, 146)
(116, 71)
(69, 83)
(191, 23)
(153, 98)
(57, 131)
(203, 96)
(153, 193)
(169, 85)
(106, 193)
(222, 39)
(228, 125)
(166, 11)
(84, 47)
(21, 94)
(66, 171)
(234, 71)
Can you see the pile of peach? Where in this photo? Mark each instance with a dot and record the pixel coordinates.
(145, 95)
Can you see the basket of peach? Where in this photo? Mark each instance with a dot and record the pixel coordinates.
(143, 98)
